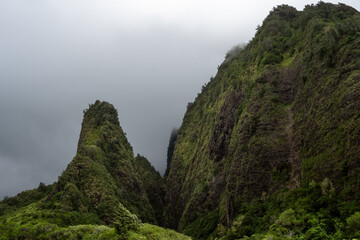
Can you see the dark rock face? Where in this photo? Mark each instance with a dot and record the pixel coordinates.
(282, 112)
(170, 150)
(224, 126)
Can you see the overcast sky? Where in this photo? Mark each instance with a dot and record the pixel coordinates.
(147, 58)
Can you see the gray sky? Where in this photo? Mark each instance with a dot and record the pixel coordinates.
(148, 58)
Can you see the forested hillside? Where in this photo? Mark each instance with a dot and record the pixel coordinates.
(269, 149)
(271, 144)
(104, 193)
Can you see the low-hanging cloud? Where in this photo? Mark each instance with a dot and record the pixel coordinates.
(148, 58)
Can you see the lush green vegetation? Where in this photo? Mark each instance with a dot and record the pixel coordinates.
(33, 222)
(152, 232)
(308, 212)
(105, 172)
(104, 193)
(10, 204)
(154, 185)
(268, 150)
(281, 114)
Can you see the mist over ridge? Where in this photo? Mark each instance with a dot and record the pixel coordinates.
(268, 149)
(149, 60)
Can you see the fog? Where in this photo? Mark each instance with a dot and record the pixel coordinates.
(147, 58)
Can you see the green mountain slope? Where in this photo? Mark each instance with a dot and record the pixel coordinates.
(270, 149)
(277, 128)
(98, 194)
(104, 171)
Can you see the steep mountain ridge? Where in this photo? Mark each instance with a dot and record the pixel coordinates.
(103, 184)
(105, 172)
(270, 149)
(281, 112)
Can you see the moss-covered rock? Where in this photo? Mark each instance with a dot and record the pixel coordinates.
(104, 173)
(281, 112)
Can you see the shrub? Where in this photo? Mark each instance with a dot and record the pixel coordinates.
(125, 221)
(72, 198)
(353, 224)
(271, 58)
(286, 218)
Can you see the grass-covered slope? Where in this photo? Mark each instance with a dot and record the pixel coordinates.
(34, 222)
(275, 134)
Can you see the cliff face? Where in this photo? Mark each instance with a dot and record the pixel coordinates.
(282, 112)
(270, 149)
(105, 172)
